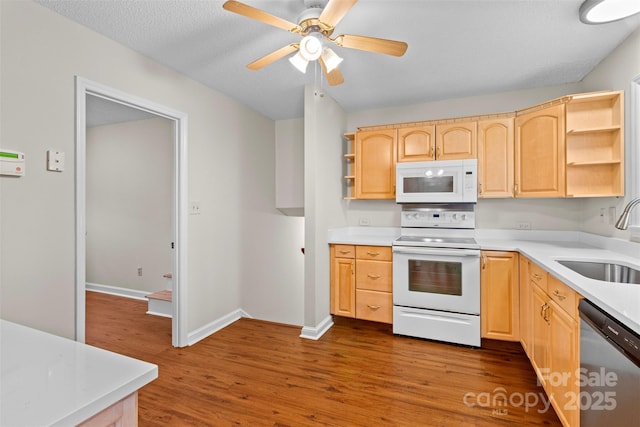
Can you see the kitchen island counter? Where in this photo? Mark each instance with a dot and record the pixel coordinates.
(47, 380)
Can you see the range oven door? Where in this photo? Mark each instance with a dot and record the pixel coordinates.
(437, 279)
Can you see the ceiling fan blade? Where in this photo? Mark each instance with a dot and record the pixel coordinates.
(335, 10)
(371, 44)
(273, 56)
(334, 77)
(259, 15)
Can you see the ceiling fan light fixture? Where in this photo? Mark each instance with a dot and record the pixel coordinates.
(331, 59)
(310, 47)
(603, 11)
(299, 62)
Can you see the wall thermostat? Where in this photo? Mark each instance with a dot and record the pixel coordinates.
(11, 163)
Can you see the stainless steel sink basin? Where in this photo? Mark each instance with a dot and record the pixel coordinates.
(605, 271)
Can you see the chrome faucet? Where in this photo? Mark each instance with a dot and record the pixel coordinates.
(623, 221)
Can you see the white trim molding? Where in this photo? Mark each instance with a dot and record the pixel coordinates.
(218, 324)
(180, 213)
(634, 153)
(315, 333)
(117, 291)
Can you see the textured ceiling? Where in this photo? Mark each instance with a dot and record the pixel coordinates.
(457, 48)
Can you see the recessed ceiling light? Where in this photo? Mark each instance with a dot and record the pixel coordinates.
(603, 11)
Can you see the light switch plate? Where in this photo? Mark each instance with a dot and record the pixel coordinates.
(55, 161)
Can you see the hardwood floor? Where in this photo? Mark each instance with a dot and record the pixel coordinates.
(256, 373)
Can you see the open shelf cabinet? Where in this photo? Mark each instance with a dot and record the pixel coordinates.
(594, 145)
(350, 166)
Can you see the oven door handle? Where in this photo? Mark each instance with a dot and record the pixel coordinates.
(437, 251)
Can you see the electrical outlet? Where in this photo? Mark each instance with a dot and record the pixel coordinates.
(524, 226)
(140, 271)
(194, 207)
(364, 221)
(612, 215)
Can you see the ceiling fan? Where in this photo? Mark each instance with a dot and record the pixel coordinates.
(316, 25)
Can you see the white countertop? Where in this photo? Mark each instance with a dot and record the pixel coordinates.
(621, 301)
(47, 380)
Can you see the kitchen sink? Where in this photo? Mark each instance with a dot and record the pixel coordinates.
(604, 271)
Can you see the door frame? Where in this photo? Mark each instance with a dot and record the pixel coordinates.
(86, 87)
(634, 152)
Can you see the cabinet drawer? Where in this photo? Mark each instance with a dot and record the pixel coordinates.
(345, 251)
(373, 275)
(538, 276)
(563, 295)
(379, 253)
(374, 305)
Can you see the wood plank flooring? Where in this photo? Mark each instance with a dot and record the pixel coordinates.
(256, 373)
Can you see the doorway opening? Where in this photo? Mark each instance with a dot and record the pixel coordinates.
(85, 88)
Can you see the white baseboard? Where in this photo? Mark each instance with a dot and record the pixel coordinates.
(314, 333)
(215, 326)
(159, 314)
(114, 290)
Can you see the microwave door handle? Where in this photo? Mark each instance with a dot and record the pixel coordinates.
(437, 251)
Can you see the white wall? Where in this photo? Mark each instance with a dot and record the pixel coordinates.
(129, 200)
(616, 72)
(290, 166)
(325, 123)
(231, 173)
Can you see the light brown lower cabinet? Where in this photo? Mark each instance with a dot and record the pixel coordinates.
(361, 278)
(499, 296)
(554, 349)
(123, 413)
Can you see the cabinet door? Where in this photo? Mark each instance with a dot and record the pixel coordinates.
(457, 140)
(376, 164)
(525, 317)
(499, 318)
(539, 151)
(416, 144)
(564, 363)
(539, 332)
(343, 285)
(495, 158)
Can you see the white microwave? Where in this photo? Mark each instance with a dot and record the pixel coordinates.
(438, 181)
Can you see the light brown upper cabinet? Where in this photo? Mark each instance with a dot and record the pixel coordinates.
(457, 140)
(375, 164)
(495, 158)
(416, 143)
(595, 145)
(539, 152)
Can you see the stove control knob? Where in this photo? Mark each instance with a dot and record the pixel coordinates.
(463, 217)
(454, 217)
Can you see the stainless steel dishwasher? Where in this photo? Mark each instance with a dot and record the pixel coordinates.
(609, 370)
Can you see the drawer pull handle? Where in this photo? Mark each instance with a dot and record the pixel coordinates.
(373, 307)
(342, 251)
(373, 253)
(560, 296)
(373, 276)
(537, 276)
